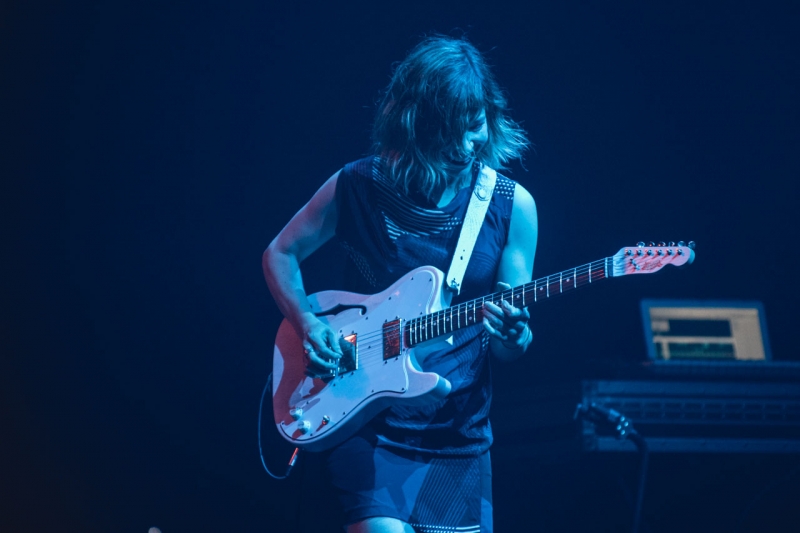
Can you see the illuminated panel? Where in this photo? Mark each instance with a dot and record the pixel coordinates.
(695, 330)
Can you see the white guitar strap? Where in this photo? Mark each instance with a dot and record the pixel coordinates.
(473, 220)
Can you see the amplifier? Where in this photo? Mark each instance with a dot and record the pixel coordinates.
(697, 416)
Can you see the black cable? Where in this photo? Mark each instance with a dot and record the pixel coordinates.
(292, 459)
(641, 445)
(598, 414)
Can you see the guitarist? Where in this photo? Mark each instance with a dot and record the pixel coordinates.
(441, 123)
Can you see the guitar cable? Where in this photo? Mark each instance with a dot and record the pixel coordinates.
(295, 454)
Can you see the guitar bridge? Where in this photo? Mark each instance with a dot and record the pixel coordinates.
(391, 339)
(349, 360)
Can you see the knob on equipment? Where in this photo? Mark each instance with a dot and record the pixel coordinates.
(297, 414)
(304, 426)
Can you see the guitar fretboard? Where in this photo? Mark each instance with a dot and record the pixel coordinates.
(427, 327)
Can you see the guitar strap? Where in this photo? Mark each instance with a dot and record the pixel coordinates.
(473, 220)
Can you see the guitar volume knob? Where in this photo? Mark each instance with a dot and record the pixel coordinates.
(297, 414)
(304, 426)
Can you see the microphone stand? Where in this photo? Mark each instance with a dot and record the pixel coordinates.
(619, 424)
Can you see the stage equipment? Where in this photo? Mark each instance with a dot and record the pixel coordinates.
(698, 416)
(597, 415)
(693, 330)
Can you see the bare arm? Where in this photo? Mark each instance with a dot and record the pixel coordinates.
(309, 229)
(508, 326)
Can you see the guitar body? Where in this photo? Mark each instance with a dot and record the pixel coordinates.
(317, 413)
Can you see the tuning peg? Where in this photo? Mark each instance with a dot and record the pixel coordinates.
(662, 243)
(651, 244)
(692, 245)
(640, 244)
(681, 244)
(671, 243)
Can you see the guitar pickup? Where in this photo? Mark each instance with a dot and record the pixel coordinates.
(391, 339)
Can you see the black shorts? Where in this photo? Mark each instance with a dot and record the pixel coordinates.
(433, 493)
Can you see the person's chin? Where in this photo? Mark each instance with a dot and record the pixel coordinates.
(461, 163)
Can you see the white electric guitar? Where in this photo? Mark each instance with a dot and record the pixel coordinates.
(385, 336)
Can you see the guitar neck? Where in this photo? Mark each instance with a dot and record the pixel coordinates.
(446, 321)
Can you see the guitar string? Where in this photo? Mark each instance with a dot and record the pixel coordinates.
(369, 356)
(430, 324)
(573, 276)
(470, 307)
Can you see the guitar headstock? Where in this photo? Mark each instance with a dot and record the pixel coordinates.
(641, 259)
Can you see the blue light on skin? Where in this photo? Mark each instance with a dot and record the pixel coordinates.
(477, 135)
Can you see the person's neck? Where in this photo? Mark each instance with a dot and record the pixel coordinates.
(459, 180)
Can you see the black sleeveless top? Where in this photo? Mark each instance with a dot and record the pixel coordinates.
(386, 234)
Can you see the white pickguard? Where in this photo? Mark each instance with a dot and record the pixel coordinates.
(336, 408)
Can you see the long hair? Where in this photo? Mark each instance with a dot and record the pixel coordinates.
(434, 95)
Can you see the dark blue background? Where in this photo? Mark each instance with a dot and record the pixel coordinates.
(151, 150)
